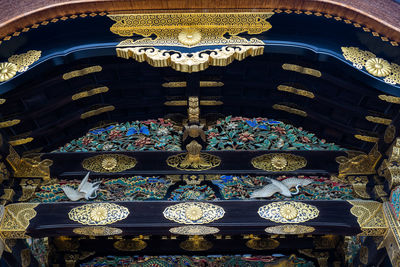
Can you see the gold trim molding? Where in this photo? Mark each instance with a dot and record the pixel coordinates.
(366, 138)
(21, 141)
(277, 162)
(190, 62)
(296, 91)
(96, 112)
(378, 67)
(390, 99)
(184, 84)
(194, 213)
(378, 120)
(370, 217)
(290, 229)
(5, 124)
(288, 212)
(97, 231)
(82, 72)
(194, 230)
(302, 70)
(98, 213)
(190, 29)
(109, 163)
(290, 110)
(90, 92)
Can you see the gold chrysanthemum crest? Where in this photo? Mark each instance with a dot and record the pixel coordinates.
(288, 212)
(7, 71)
(98, 213)
(378, 67)
(194, 213)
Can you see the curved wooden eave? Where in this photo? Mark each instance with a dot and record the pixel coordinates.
(381, 16)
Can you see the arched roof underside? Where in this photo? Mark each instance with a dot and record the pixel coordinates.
(339, 102)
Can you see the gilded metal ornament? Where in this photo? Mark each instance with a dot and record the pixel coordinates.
(109, 163)
(358, 162)
(289, 229)
(258, 243)
(277, 162)
(390, 134)
(370, 217)
(194, 213)
(196, 243)
(379, 120)
(91, 92)
(391, 239)
(184, 84)
(375, 66)
(296, 91)
(25, 257)
(98, 213)
(16, 220)
(288, 212)
(82, 72)
(190, 62)
(290, 110)
(302, 70)
(97, 231)
(190, 29)
(134, 244)
(22, 141)
(98, 111)
(5, 124)
(2, 101)
(390, 99)
(390, 168)
(7, 71)
(29, 167)
(366, 138)
(194, 230)
(193, 110)
(193, 160)
(23, 61)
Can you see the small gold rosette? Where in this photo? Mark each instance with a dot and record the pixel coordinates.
(194, 213)
(288, 212)
(98, 213)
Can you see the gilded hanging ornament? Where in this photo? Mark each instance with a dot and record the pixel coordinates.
(378, 67)
(7, 71)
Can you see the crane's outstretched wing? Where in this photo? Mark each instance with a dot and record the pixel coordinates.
(83, 186)
(71, 193)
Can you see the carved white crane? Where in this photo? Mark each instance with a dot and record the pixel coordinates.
(85, 190)
(280, 187)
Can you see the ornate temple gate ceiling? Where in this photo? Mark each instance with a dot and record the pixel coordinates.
(71, 74)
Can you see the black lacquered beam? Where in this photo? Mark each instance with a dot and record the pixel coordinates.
(241, 217)
(154, 163)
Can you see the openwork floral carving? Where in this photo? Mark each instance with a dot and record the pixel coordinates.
(194, 213)
(288, 212)
(98, 213)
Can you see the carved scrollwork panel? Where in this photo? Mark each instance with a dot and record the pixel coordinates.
(288, 212)
(194, 213)
(98, 213)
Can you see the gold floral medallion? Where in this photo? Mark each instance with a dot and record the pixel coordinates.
(109, 163)
(7, 71)
(378, 67)
(98, 214)
(189, 37)
(194, 213)
(288, 212)
(279, 162)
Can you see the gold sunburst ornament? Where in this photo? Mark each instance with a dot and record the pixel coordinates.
(378, 67)
(7, 71)
(288, 212)
(194, 213)
(279, 162)
(189, 37)
(98, 214)
(109, 163)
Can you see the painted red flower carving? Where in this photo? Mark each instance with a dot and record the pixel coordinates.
(246, 136)
(114, 134)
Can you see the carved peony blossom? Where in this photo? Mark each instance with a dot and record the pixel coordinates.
(7, 71)
(378, 67)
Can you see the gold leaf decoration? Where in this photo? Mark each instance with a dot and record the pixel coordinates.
(23, 61)
(7, 71)
(189, 62)
(390, 99)
(290, 110)
(288, 212)
(379, 120)
(302, 70)
(289, 229)
(194, 230)
(5, 124)
(174, 85)
(202, 84)
(194, 213)
(109, 163)
(191, 29)
(22, 141)
(258, 243)
(91, 92)
(2, 101)
(370, 217)
(134, 244)
(279, 162)
(366, 138)
(97, 231)
(295, 91)
(98, 213)
(96, 112)
(196, 243)
(378, 67)
(82, 72)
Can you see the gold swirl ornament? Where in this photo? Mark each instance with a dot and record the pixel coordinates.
(7, 71)
(378, 67)
(98, 213)
(189, 37)
(194, 213)
(288, 212)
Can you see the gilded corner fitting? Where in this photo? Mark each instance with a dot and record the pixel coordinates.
(370, 217)
(190, 29)
(190, 62)
(378, 67)
(29, 167)
(390, 168)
